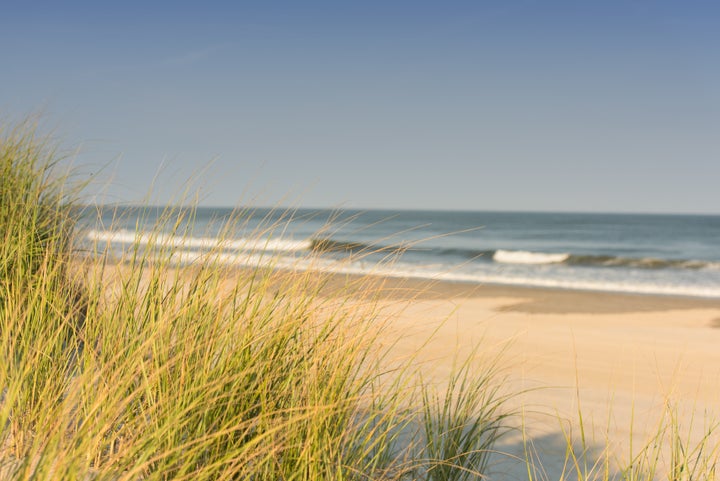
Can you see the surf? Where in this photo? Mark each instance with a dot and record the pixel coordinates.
(527, 257)
(242, 244)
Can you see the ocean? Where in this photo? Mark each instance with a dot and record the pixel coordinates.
(675, 255)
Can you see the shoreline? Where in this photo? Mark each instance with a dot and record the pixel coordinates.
(531, 299)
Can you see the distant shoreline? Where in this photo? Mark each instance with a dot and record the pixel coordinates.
(665, 256)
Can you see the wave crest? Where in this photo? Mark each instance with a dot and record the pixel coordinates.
(243, 244)
(527, 257)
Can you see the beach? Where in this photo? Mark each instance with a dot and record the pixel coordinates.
(619, 360)
(605, 327)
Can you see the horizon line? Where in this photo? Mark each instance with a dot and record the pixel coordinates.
(405, 209)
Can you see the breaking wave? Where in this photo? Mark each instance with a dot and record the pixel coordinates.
(502, 256)
(525, 257)
(323, 245)
(243, 244)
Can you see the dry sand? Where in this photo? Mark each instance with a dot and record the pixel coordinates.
(621, 357)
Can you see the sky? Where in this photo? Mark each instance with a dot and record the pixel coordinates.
(609, 106)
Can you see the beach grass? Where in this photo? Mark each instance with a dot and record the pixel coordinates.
(142, 367)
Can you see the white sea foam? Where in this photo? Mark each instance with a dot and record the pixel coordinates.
(526, 257)
(606, 286)
(437, 272)
(236, 259)
(650, 288)
(253, 245)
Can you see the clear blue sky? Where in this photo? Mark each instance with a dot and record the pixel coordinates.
(478, 105)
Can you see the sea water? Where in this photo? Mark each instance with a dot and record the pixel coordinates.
(649, 254)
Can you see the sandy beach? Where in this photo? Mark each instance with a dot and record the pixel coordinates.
(622, 358)
(618, 360)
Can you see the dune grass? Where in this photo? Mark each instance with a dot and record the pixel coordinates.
(146, 368)
(143, 368)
